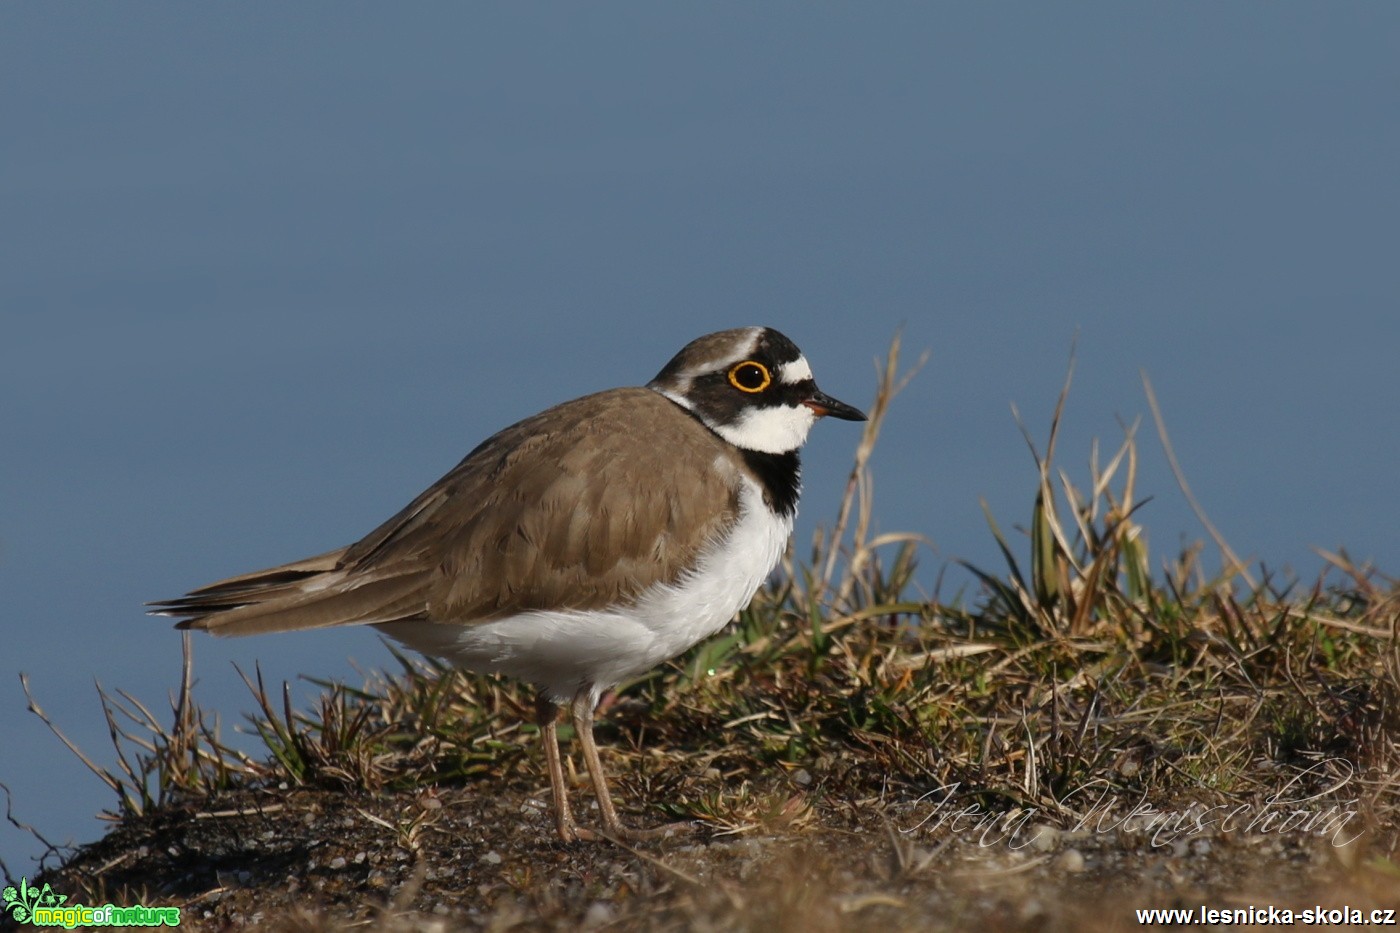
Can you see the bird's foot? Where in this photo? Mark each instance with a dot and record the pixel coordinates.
(621, 833)
(572, 832)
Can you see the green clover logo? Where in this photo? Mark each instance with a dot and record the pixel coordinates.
(20, 903)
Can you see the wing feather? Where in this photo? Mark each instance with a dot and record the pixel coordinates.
(578, 507)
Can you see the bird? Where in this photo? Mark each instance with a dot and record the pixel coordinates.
(578, 548)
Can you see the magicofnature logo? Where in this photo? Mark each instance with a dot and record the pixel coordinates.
(43, 907)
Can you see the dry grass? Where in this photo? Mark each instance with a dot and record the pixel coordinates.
(825, 742)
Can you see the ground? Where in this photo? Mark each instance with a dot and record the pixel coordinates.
(484, 856)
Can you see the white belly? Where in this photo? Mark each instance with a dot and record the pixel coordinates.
(566, 651)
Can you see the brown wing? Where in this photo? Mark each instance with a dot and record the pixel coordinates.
(566, 510)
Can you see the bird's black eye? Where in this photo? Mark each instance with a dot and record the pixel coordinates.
(749, 376)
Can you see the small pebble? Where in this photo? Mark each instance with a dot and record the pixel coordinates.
(1070, 860)
(492, 858)
(337, 863)
(802, 777)
(599, 914)
(1032, 909)
(1044, 837)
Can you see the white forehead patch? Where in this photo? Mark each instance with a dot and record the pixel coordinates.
(794, 372)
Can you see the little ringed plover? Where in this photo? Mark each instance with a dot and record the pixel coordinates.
(578, 548)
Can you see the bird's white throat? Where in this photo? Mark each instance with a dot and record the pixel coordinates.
(771, 430)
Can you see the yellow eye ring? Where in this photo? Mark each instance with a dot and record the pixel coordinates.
(750, 377)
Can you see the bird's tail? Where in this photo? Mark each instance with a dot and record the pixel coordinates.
(312, 593)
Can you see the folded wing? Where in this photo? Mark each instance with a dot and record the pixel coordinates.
(565, 510)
